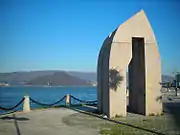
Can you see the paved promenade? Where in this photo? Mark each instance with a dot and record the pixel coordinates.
(47, 122)
(62, 121)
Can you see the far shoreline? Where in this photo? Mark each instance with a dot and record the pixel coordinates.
(46, 86)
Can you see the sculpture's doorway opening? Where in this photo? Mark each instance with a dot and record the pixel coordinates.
(136, 72)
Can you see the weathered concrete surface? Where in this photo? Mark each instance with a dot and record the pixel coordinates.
(69, 122)
(44, 122)
(144, 65)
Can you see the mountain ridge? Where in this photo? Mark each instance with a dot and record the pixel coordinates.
(26, 77)
(60, 78)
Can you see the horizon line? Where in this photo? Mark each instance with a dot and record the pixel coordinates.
(49, 70)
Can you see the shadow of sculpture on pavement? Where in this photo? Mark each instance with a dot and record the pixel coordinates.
(171, 107)
(15, 119)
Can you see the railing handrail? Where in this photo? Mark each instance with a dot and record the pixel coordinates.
(27, 104)
(12, 108)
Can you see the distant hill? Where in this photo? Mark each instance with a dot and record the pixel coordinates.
(88, 76)
(42, 77)
(27, 76)
(19, 77)
(60, 78)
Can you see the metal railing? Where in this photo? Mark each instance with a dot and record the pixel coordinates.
(25, 103)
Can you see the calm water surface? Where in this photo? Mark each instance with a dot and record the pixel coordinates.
(9, 96)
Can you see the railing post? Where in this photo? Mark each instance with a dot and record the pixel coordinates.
(68, 100)
(26, 104)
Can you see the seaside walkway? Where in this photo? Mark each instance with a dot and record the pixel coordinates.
(55, 121)
(84, 119)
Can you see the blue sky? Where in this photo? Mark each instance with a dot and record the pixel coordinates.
(67, 35)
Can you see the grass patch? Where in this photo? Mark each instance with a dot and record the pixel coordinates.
(163, 125)
(158, 114)
(118, 116)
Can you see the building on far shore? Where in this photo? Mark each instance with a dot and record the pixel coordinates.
(4, 84)
(94, 84)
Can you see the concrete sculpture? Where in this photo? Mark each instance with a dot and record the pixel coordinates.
(131, 46)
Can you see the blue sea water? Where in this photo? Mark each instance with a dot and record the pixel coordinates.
(9, 96)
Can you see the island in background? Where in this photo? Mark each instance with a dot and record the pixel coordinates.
(48, 78)
(54, 78)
